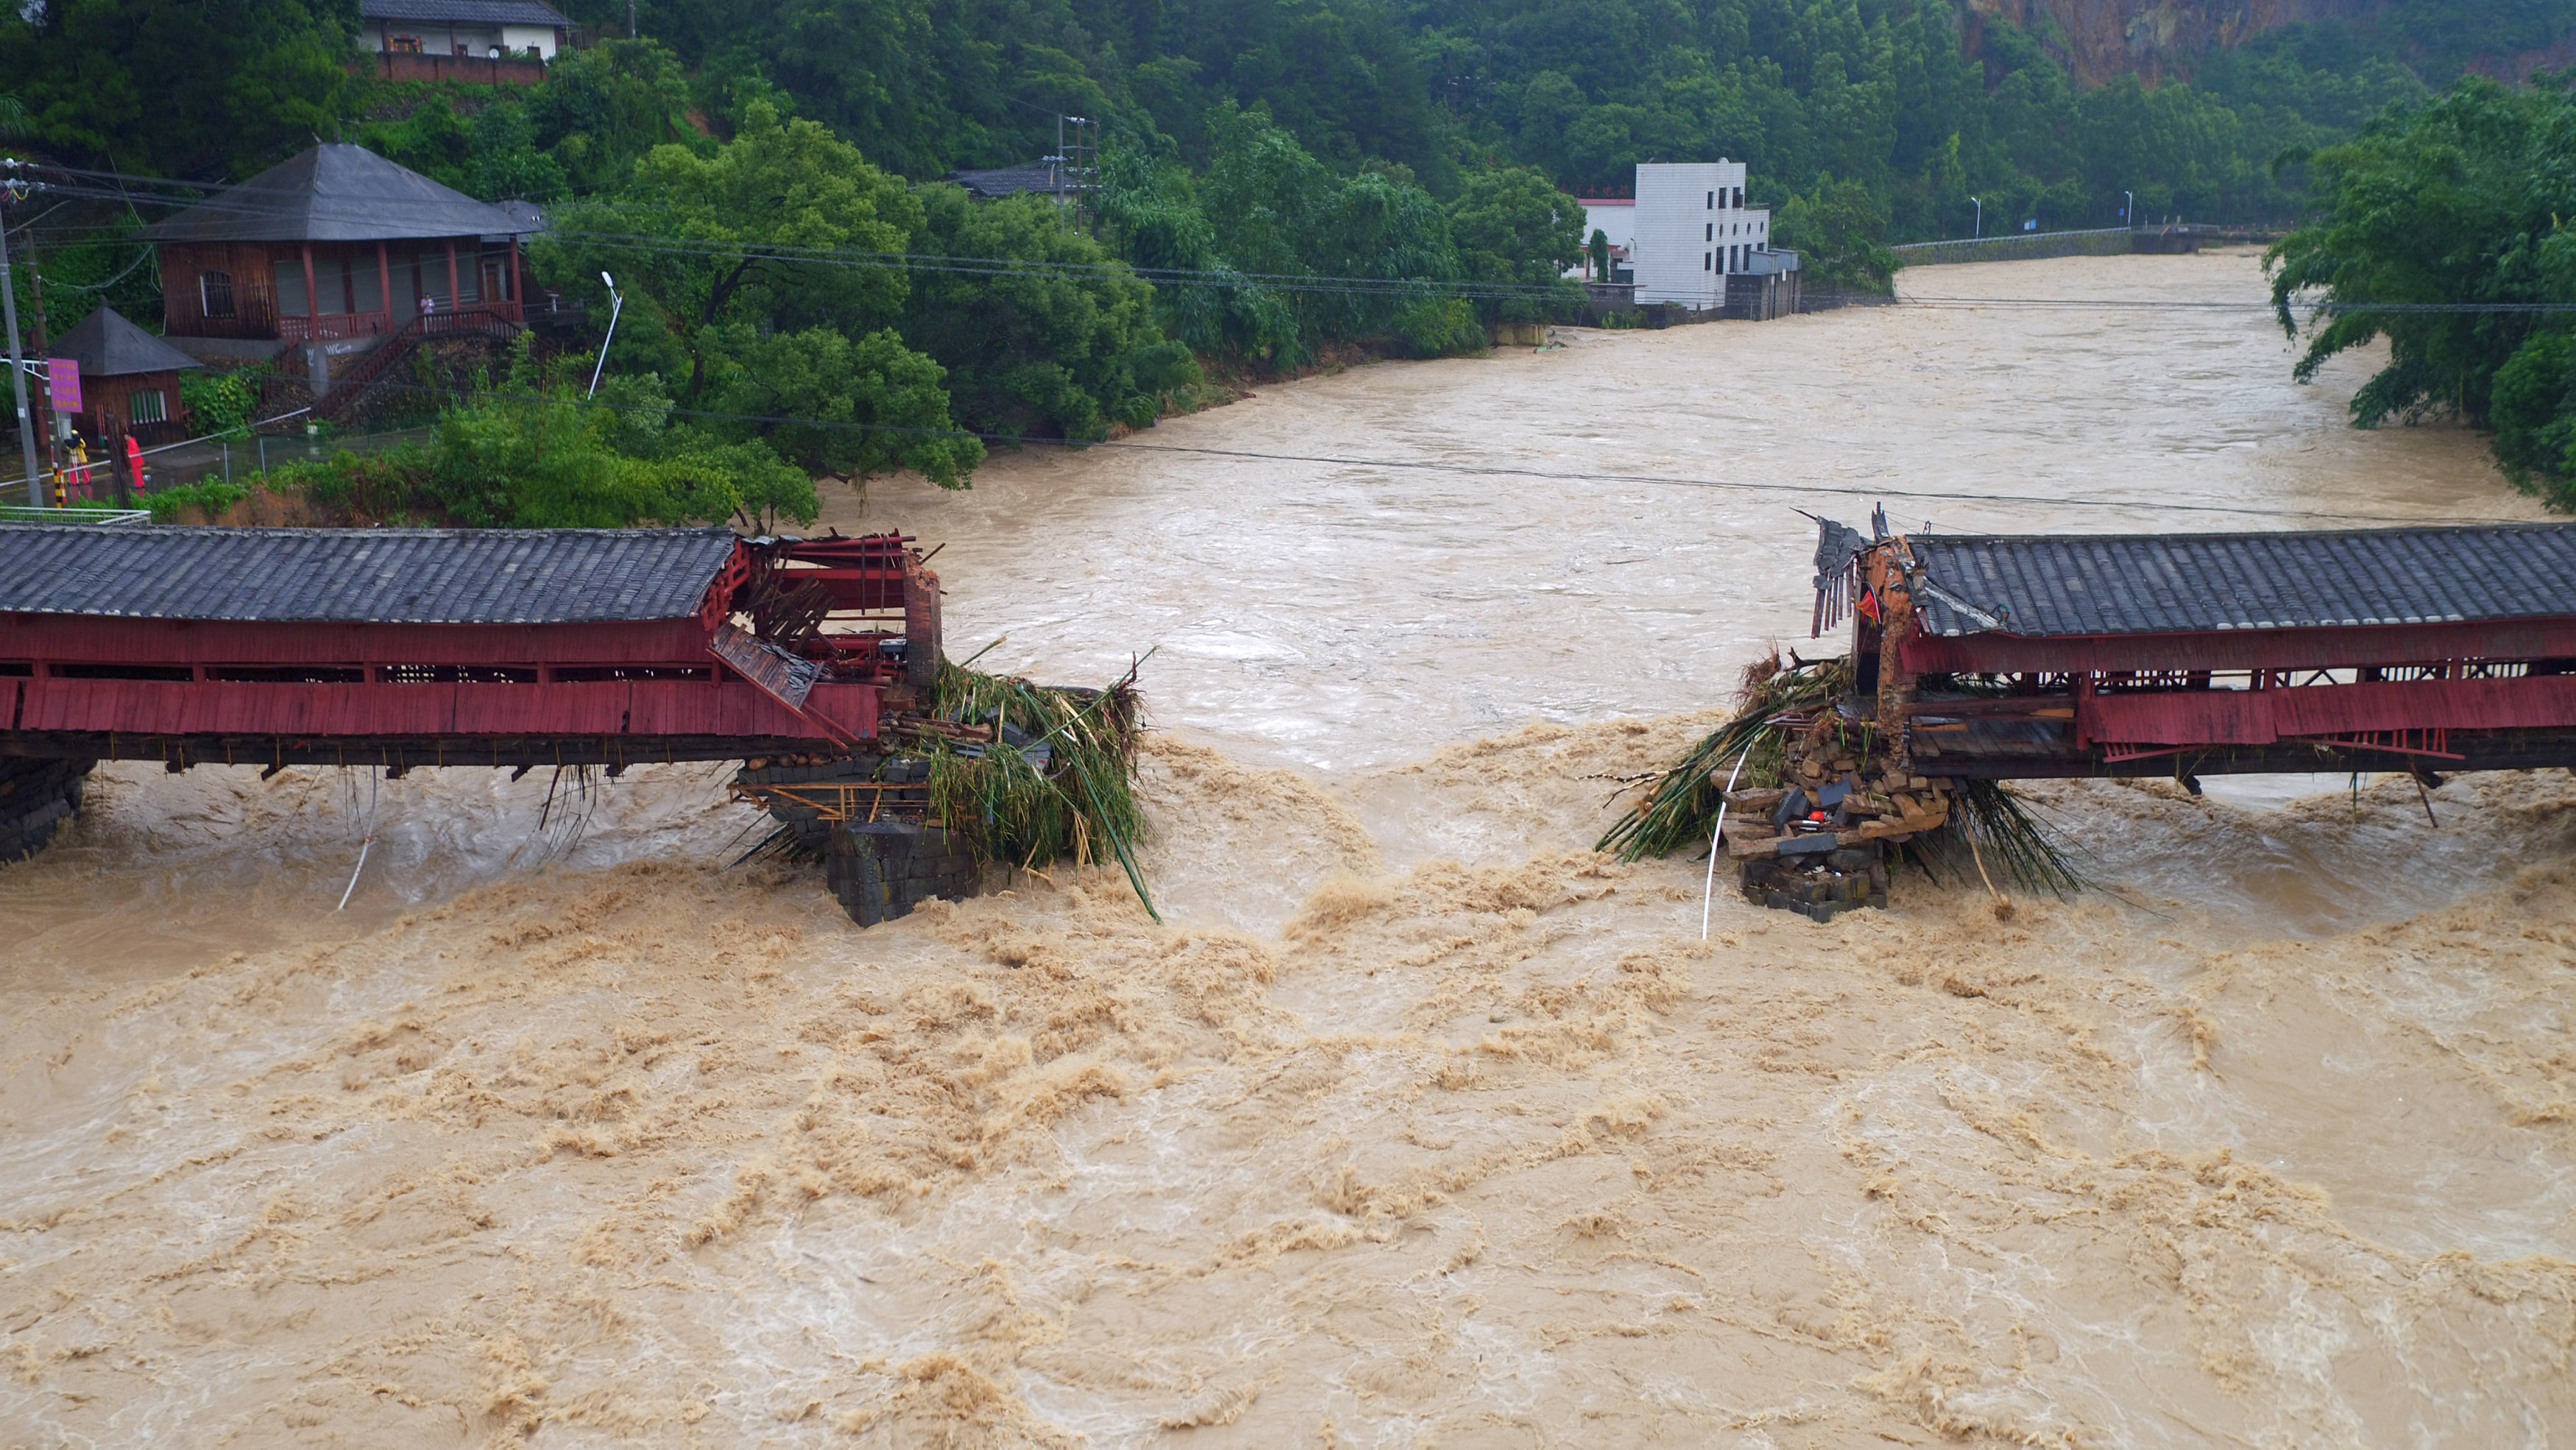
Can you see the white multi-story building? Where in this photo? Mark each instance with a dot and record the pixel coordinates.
(1693, 231)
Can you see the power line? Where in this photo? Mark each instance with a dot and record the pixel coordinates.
(1027, 268)
(1023, 268)
(129, 271)
(1478, 470)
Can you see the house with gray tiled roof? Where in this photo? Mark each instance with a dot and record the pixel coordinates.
(478, 29)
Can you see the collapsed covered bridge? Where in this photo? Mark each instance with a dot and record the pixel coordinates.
(1985, 658)
(404, 648)
(2009, 657)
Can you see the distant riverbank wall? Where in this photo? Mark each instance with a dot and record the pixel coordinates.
(2098, 242)
(2020, 247)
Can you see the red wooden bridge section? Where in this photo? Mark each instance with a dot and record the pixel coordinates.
(2185, 654)
(410, 647)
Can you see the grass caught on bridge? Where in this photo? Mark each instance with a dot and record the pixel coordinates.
(1066, 792)
(1680, 808)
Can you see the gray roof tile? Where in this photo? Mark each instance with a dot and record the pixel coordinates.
(479, 12)
(371, 576)
(107, 346)
(2185, 583)
(334, 193)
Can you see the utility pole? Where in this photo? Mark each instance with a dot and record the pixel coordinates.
(18, 366)
(46, 414)
(630, 19)
(2129, 213)
(1981, 220)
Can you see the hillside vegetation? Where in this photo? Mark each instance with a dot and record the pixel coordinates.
(1246, 147)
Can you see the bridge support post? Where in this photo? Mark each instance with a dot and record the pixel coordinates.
(36, 796)
(880, 870)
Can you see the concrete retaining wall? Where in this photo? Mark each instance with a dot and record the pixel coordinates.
(2019, 247)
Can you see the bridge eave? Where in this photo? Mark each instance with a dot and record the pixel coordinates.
(2296, 647)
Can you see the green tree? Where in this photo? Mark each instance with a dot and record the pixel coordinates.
(1151, 215)
(757, 291)
(858, 406)
(1839, 232)
(528, 453)
(602, 110)
(1277, 213)
(1060, 340)
(193, 88)
(2534, 409)
(220, 403)
(1515, 229)
(2460, 202)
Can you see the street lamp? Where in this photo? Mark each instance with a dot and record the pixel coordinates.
(2129, 213)
(1981, 218)
(616, 305)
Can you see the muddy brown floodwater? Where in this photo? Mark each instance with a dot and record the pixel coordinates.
(1417, 1124)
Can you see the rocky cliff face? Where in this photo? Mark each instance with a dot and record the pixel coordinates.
(2098, 39)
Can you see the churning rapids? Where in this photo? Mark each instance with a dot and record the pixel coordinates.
(1418, 1124)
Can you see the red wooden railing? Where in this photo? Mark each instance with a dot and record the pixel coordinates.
(330, 327)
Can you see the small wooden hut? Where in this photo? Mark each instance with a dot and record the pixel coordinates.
(335, 243)
(129, 381)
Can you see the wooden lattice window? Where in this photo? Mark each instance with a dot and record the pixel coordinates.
(147, 406)
(403, 44)
(215, 293)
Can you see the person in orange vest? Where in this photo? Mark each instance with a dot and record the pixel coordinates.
(134, 461)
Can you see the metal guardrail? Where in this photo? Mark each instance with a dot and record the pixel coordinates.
(23, 514)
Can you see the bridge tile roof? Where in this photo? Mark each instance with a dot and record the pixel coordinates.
(360, 576)
(2189, 583)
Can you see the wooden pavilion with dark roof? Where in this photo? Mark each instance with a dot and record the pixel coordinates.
(335, 243)
(129, 380)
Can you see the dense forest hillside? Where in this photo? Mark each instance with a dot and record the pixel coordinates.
(1255, 156)
(2156, 40)
(2050, 109)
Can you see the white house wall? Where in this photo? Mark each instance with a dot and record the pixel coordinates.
(1614, 219)
(519, 37)
(1693, 231)
(441, 38)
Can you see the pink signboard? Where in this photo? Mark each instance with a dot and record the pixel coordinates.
(62, 384)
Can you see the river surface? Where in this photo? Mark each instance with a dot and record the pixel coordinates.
(1413, 1123)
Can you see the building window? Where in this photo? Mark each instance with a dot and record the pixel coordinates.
(1712, 233)
(1705, 261)
(215, 293)
(1712, 201)
(403, 44)
(147, 407)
